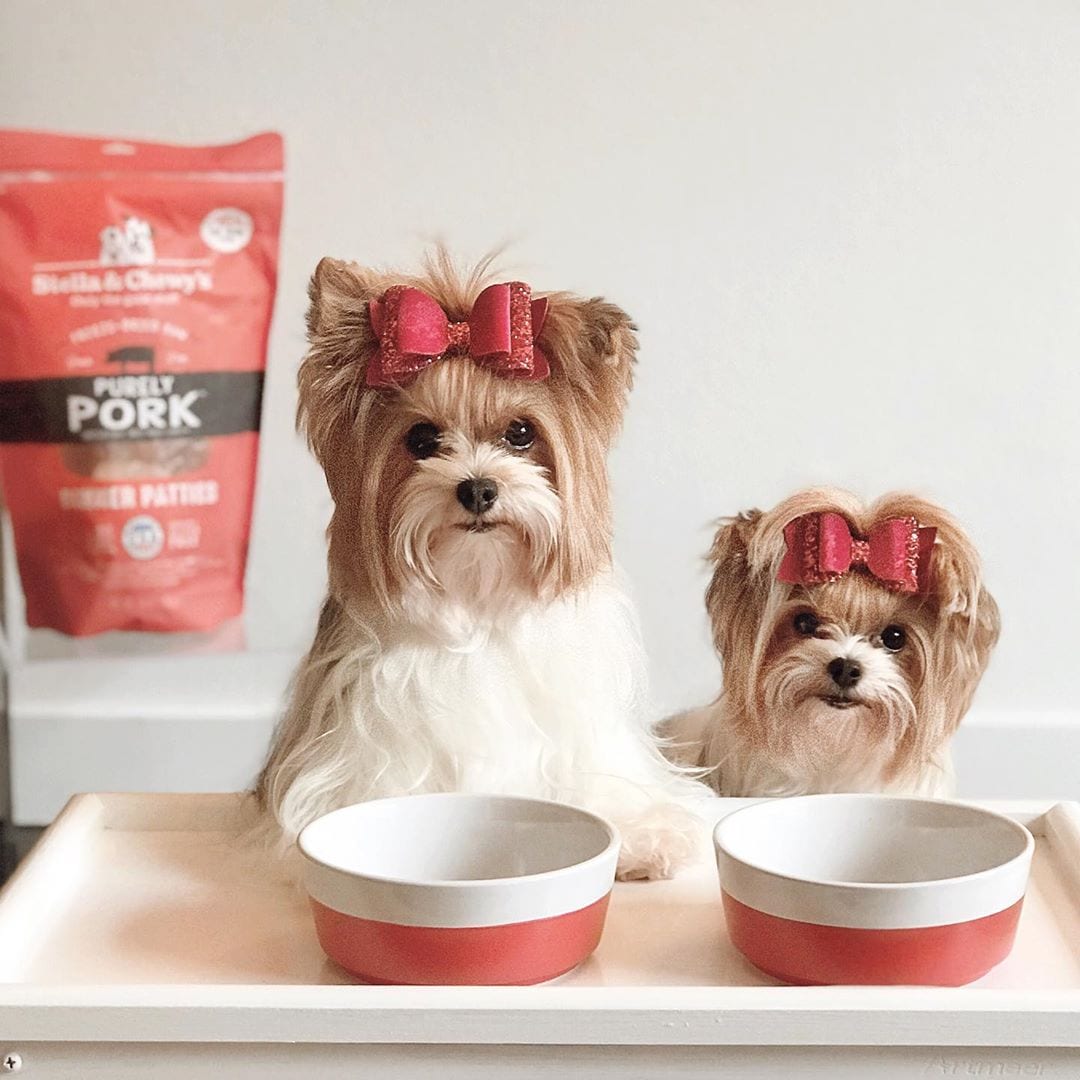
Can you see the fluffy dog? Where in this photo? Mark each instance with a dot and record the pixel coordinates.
(475, 637)
(852, 641)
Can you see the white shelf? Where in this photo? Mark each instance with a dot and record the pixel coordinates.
(185, 723)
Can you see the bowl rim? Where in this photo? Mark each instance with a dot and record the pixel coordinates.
(877, 886)
(612, 846)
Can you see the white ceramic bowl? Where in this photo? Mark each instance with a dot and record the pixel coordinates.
(455, 889)
(872, 888)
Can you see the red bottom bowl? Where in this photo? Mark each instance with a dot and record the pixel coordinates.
(872, 889)
(457, 889)
(518, 954)
(808, 954)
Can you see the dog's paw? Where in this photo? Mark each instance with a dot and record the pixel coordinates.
(658, 843)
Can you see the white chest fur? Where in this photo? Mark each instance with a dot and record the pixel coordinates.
(547, 702)
(525, 707)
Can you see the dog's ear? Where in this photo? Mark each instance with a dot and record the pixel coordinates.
(331, 379)
(955, 579)
(954, 584)
(339, 293)
(968, 617)
(591, 346)
(737, 591)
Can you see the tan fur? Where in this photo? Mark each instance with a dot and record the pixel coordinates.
(952, 626)
(333, 744)
(356, 432)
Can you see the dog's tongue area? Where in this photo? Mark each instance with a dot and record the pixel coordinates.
(837, 702)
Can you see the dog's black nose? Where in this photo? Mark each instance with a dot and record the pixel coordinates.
(477, 494)
(844, 672)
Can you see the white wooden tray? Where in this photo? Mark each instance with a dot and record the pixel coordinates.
(141, 929)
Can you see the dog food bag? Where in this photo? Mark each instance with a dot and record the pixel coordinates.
(136, 285)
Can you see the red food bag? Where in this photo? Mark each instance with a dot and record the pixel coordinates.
(136, 286)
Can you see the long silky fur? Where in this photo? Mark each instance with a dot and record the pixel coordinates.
(767, 733)
(446, 661)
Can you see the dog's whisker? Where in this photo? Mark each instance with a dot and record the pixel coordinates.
(839, 680)
(474, 636)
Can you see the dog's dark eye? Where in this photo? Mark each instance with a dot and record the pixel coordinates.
(806, 623)
(422, 440)
(520, 434)
(893, 638)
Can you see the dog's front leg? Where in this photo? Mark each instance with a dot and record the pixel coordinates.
(652, 806)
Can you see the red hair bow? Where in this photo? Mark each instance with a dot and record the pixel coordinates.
(821, 547)
(500, 333)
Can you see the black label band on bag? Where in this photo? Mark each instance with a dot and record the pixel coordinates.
(127, 404)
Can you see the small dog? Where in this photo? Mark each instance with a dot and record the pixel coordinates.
(474, 637)
(852, 641)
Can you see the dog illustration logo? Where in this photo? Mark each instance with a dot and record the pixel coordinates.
(132, 245)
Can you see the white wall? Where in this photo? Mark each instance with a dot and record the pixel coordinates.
(849, 232)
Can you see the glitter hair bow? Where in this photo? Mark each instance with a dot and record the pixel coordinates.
(499, 334)
(821, 547)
